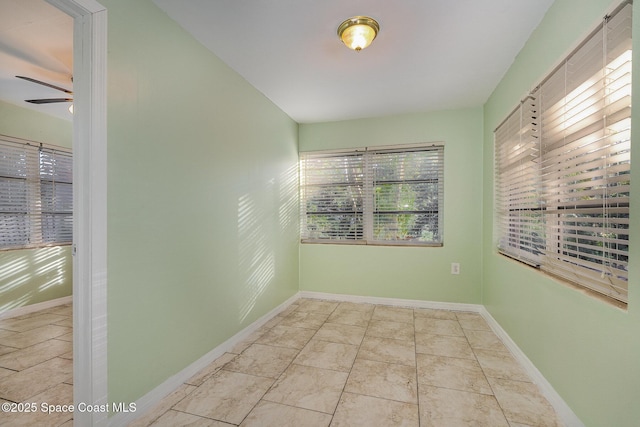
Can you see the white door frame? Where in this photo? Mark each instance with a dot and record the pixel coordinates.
(89, 206)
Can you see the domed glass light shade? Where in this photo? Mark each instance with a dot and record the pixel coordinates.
(358, 32)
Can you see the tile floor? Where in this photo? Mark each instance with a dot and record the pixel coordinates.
(36, 365)
(324, 363)
(318, 363)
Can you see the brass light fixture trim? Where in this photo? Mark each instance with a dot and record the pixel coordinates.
(358, 32)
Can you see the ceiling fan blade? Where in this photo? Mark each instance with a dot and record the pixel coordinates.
(44, 84)
(48, 101)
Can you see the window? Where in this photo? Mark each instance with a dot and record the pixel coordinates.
(388, 196)
(35, 194)
(562, 163)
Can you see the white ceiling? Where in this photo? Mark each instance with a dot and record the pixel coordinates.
(429, 54)
(36, 40)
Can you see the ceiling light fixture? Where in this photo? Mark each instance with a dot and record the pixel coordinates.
(358, 32)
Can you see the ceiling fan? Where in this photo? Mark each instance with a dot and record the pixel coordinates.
(47, 100)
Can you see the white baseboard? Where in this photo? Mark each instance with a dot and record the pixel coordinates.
(563, 410)
(28, 309)
(397, 302)
(149, 400)
(152, 398)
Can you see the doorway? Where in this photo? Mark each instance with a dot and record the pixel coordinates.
(90, 206)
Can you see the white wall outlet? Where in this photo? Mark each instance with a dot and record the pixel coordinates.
(455, 268)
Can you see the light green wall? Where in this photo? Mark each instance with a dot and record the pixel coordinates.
(588, 349)
(202, 200)
(30, 276)
(25, 123)
(408, 272)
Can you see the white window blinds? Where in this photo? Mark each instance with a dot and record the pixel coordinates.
(56, 193)
(375, 196)
(35, 194)
(332, 196)
(519, 225)
(573, 218)
(408, 190)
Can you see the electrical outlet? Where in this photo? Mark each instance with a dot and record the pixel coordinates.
(455, 268)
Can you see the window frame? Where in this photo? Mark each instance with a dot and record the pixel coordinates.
(579, 167)
(368, 196)
(41, 201)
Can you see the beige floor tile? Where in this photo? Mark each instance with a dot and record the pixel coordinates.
(176, 418)
(345, 334)
(383, 380)
(211, 369)
(355, 410)
(66, 337)
(356, 318)
(273, 321)
(393, 314)
(270, 414)
(4, 372)
(389, 329)
(262, 360)
(452, 372)
(61, 394)
(485, 340)
(6, 333)
(5, 349)
(319, 306)
(61, 310)
(304, 319)
(165, 404)
(34, 336)
(226, 396)
(388, 350)
(501, 364)
(444, 345)
(290, 309)
(523, 403)
(442, 407)
(286, 336)
(66, 322)
(308, 388)
(434, 314)
(426, 325)
(248, 340)
(31, 356)
(31, 321)
(354, 306)
(22, 385)
(472, 321)
(327, 355)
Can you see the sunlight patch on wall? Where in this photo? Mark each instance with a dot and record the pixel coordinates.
(9, 269)
(15, 282)
(255, 252)
(33, 275)
(57, 265)
(288, 198)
